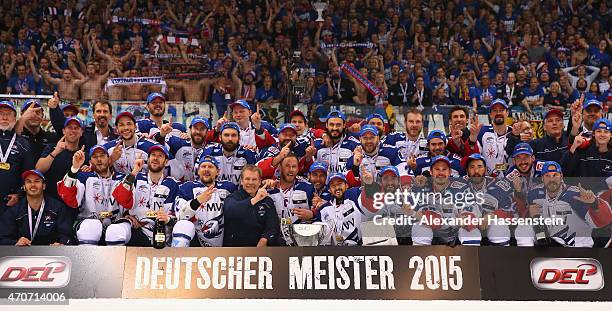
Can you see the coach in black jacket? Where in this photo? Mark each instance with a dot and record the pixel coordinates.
(36, 219)
(249, 213)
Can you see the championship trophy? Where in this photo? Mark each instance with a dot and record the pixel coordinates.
(307, 234)
(320, 7)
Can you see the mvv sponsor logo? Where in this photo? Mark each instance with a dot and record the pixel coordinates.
(585, 274)
(34, 271)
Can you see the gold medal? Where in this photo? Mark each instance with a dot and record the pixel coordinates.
(501, 167)
(339, 238)
(151, 214)
(5, 166)
(104, 215)
(286, 221)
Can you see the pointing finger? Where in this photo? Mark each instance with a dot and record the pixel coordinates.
(83, 148)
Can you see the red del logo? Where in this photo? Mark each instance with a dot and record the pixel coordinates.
(567, 274)
(34, 271)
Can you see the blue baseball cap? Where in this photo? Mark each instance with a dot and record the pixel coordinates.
(591, 102)
(201, 120)
(96, 148)
(73, 119)
(474, 157)
(336, 176)
(240, 102)
(124, 114)
(368, 128)
(387, 169)
(155, 95)
(27, 173)
(30, 102)
(9, 104)
(376, 116)
(436, 134)
(318, 166)
(70, 107)
(498, 101)
(522, 148)
(602, 123)
(230, 125)
(208, 159)
(546, 168)
(336, 114)
(160, 148)
(287, 126)
(439, 158)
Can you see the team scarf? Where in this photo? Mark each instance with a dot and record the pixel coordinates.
(163, 25)
(136, 80)
(347, 45)
(351, 71)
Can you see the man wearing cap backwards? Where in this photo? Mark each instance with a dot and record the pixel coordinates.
(36, 219)
(548, 148)
(342, 214)
(232, 156)
(147, 196)
(254, 132)
(128, 146)
(90, 194)
(15, 156)
(581, 209)
(496, 199)
(29, 126)
(156, 106)
(55, 160)
(411, 144)
(492, 138)
(200, 206)
(186, 151)
(436, 143)
(429, 208)
(337, 148)
(288, 142)
(371, 154)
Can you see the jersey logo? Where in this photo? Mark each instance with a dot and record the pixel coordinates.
(211, 229)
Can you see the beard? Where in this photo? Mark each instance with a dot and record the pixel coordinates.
(197, 139)
(229, 146)
(499, 120)
(335, 134)
(552, 186)
(156, 168)
(7, 127)
(476, 179)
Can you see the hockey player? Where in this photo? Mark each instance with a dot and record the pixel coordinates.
(156, 106)
(372, 154)
(492, 139)
(185, 152)
(411, 144)
(337, 152)
(125, 149)
(342, 213)
(298, 119)
(317, 176)
(288, 142)
(90, 193)
(232, 156)
(254, 132)
(148, 197)
(580, 209)
(525, 174)
(200, 207)
(436, 143)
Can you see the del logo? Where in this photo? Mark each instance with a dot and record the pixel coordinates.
(567, 274)
(34, 271)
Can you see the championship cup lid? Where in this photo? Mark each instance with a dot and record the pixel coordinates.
(9, 104)
(95, 148)
(368, 128)
(287, 126)
(602, 123)
(208, 159)
(551, 167)
(160, 148)
(155, 95)
(318, 166)
(124, 114)
(73, 119)
(27, 173)
(336, 176)
(389, 169)
(201, 120)
(30, 102)
(591, 102)
(230, 125)
(297, 113)
(336, 114)
(498, 101)
(522, 148)
(439, 158)
(436, 134)
(473, 157)
(240, 102)
(552, 112)
(376, 116)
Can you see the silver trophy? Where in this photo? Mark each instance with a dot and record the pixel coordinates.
(307, 234)
(320, 7)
